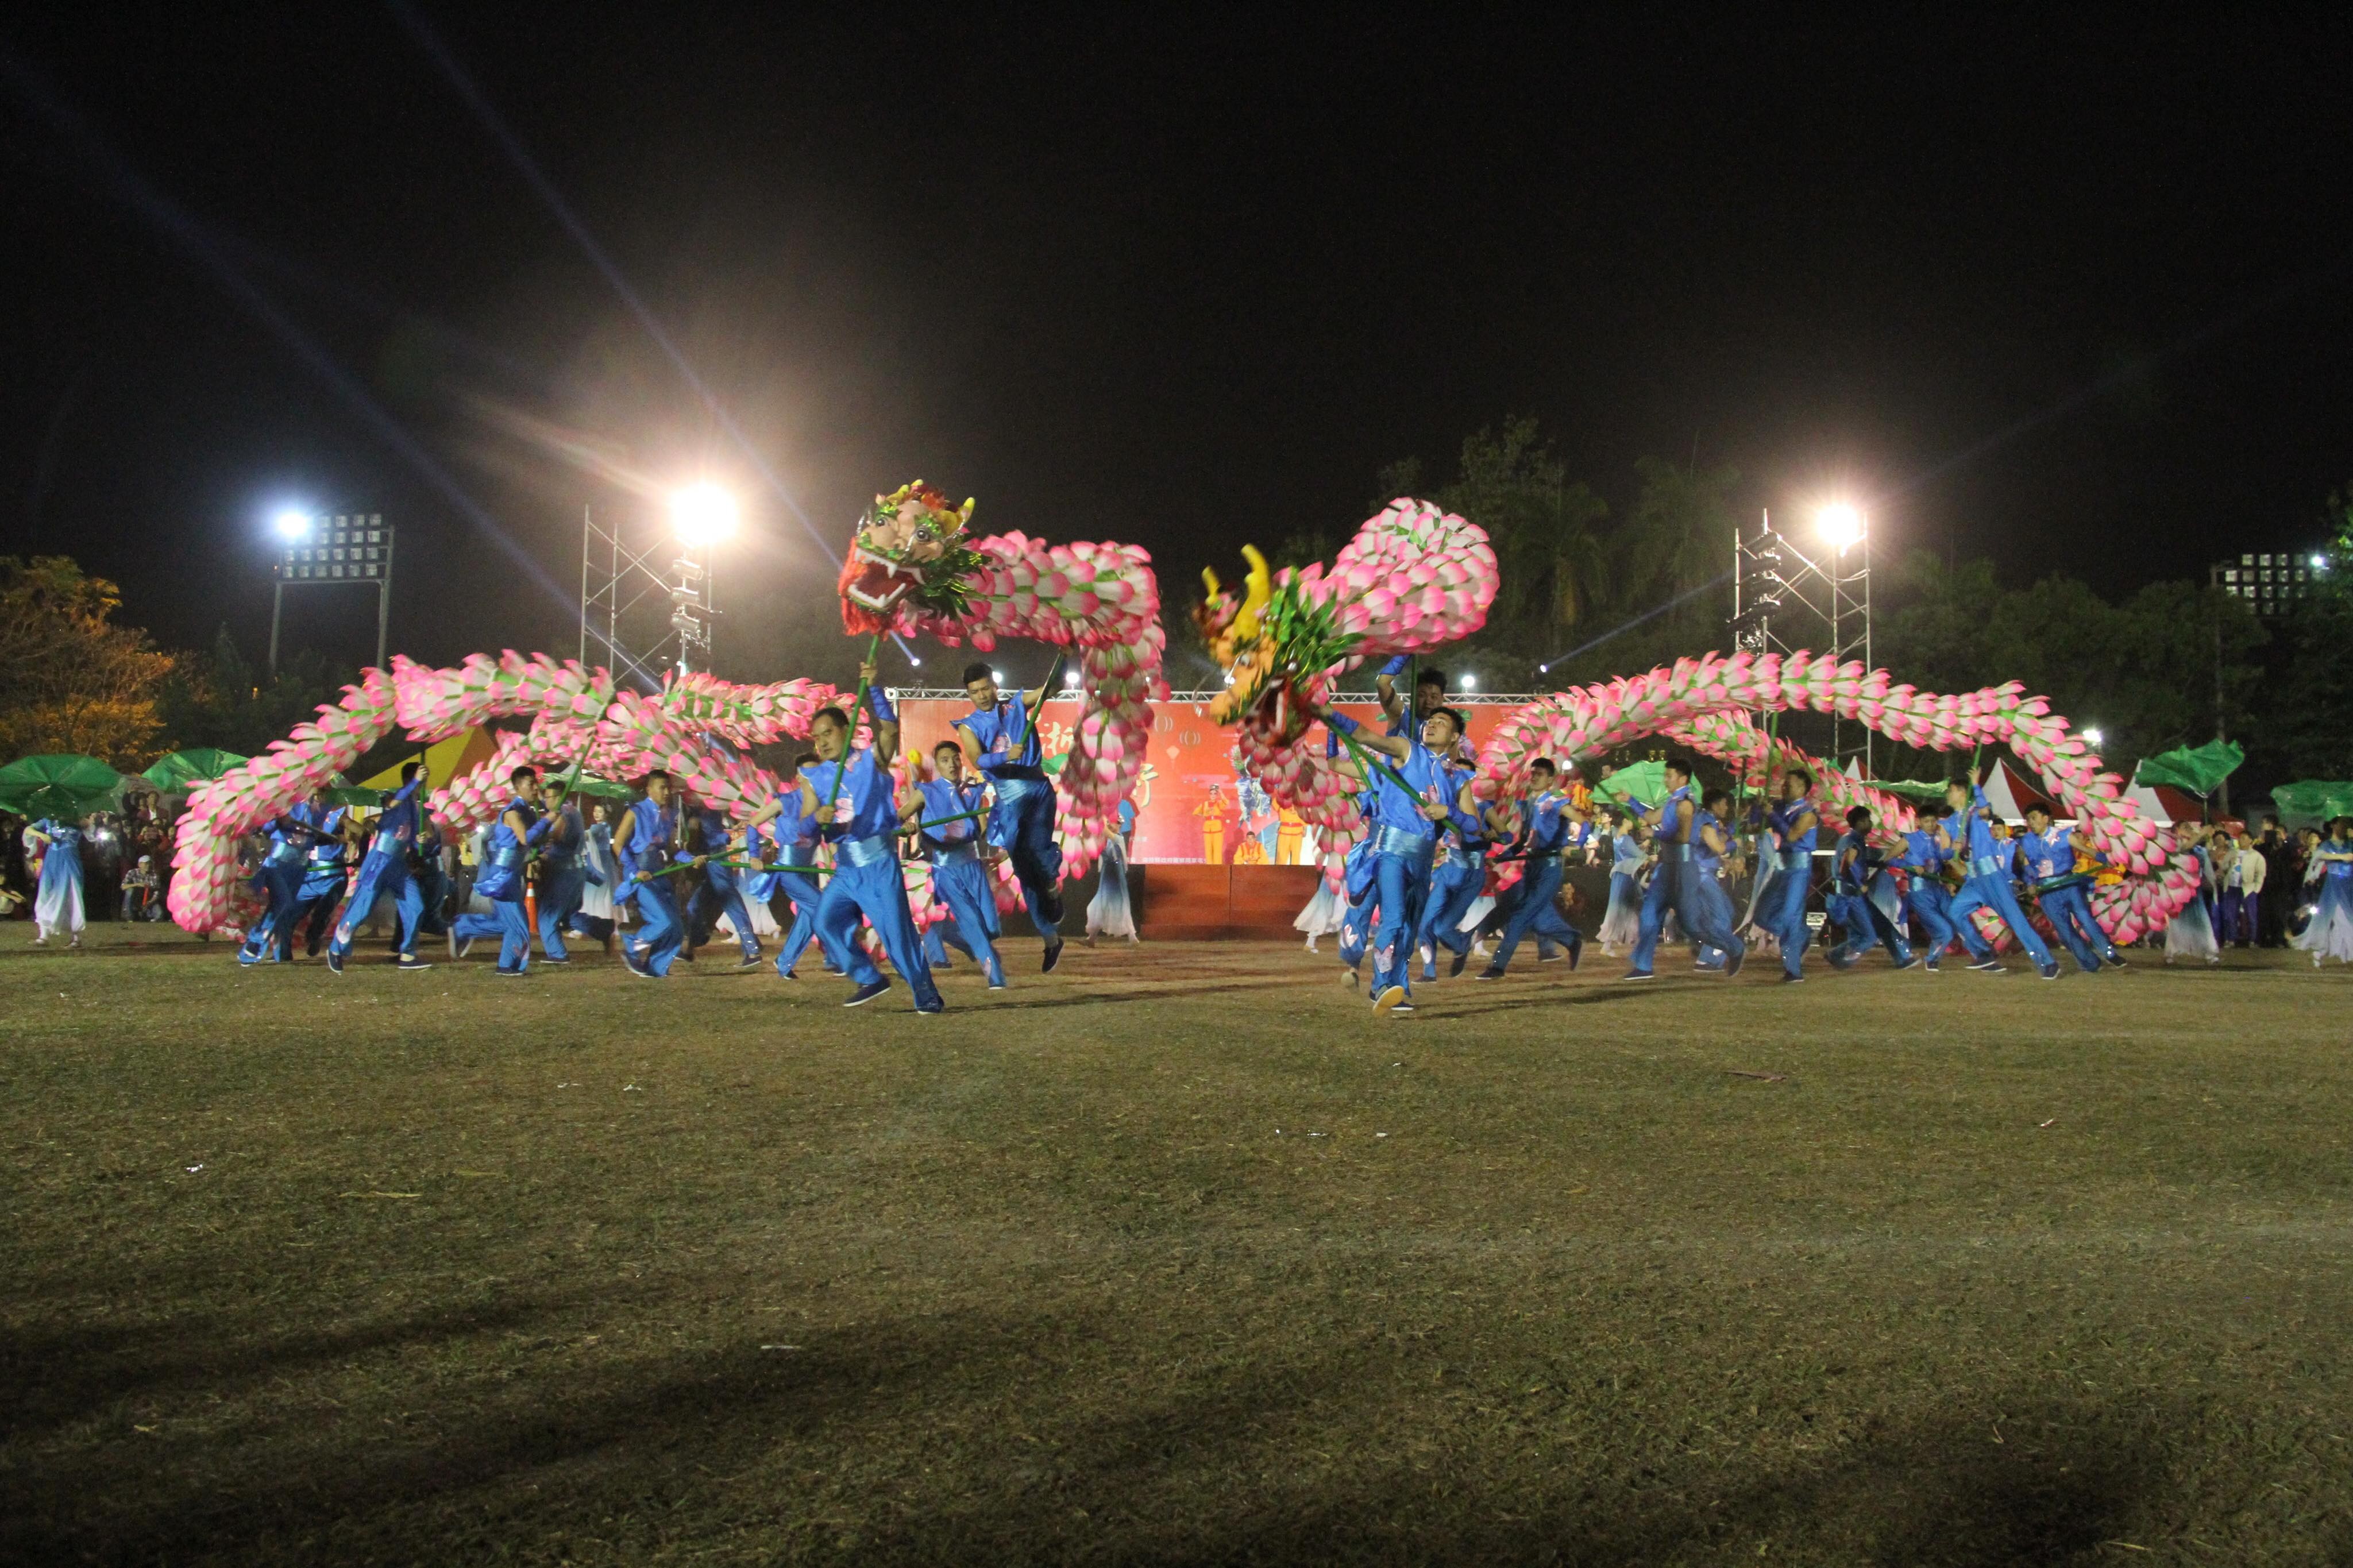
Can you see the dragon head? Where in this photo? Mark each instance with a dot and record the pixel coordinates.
(1241, 639)
(910, 545)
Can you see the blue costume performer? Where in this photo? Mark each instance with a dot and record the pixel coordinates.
(2047, 854)
(1403, 843)
(1988, 885)
(2329, 932)
(1003, 744)
(722, 888)
(1540, 846)
(279, 880)
(57, 901)
(647, 843)
(384, 874)
(1675, 885)
(1457, 884)
(502, 878)
(959, 879)
(859, 815)
(1711, 840)
(323, 885)
(564, 872)
(1794, 823)
(1928, 900)
(1858, 881)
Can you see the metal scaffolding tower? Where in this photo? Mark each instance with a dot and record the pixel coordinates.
(1779, 590)
(617, 578)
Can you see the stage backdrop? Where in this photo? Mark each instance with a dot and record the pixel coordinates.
(1191, 807)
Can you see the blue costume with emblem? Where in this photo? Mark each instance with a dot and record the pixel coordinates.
(1456, 885)
(384, 873)
(720, 890)
(2064, 893)
(1856, 879)
(1675, 885)
(959, 880)
(866, 878)
(1404, 842)
(1022, 821)
(645, 847)
(1987, 886)
(1784, 904)
(1542, 845)
(795, 844)
(1930, 902)
(563, 878)
(503, 881)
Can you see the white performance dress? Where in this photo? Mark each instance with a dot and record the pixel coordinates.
(1108, 913)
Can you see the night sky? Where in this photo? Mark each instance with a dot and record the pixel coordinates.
(2071, 293)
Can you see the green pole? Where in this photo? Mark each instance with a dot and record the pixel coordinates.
(841, 764)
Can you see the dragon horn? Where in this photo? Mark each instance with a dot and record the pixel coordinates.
(1246, 620)
(963, 514)
(1209, 580)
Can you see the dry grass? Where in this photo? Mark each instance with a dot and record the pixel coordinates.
(1174, 1257)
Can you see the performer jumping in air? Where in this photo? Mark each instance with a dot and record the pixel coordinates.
(384, 874)
(848, 793)
(2047, 856)
(648, 846)
(1403, 840)
(1676, 885)
(1539, 847)
(57, 901)
(503, 876)
(1859, 880)
(1988, 882)
(1000, 735)
(959, 880)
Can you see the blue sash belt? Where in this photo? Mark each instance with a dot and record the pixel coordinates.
(875, 852)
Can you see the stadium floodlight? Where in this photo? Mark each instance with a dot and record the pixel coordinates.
(2320, 564)
(702, 514)
(344, 550)
(1070, 678)
(293, 523)
(1469, 682)
(2092, 734)
(1842, 525)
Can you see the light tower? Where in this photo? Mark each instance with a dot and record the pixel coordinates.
(1832, 585)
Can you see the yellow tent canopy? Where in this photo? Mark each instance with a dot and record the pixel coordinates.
(444, 760)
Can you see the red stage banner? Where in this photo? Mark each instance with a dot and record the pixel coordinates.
(1192, 807)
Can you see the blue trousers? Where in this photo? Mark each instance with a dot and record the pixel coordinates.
(1932, 906)
(282, 885)
(382, 876)
(659, 930)
(1676, 885)
(1453, 891)
(876, 892)
(432, 887)
(1022, 824)
(1993, 893)
(1783, 912)
(719, 895)
(1404, 883)
(507, 922)
(559, 900)
(1865, 925)
(1711, 888)
(1356, 924)
(1537, 913)
(802, 893)
(2069, 911)
(961, 882)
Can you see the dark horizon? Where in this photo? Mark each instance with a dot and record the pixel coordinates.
(2068, 299)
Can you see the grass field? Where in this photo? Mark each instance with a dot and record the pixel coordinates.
(1177, 1255)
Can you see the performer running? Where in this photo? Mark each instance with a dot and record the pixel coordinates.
(1926, 852)
(279, 880)
(563, 870)
(720, 890)
(57, 901)
(1711, 844)
(1404, 839)
(1988, 881)
(796, 839)
(1539, 847)
(959, 879)
(857, 814)
(1794, 823)
(384, 874)
(1000, 736)
(648, 846)
(1859, 880)
(1676, 885)
(323, 869)
(503, 876)
(1456, 885)
(2047, 854)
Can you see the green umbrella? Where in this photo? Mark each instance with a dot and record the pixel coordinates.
(173, 771)
(57, 785)
(2197, 769)
(2310, 801)
(589, 784)
(1910, 789)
